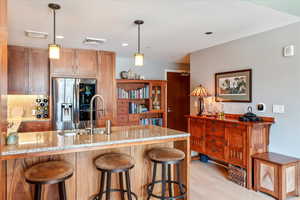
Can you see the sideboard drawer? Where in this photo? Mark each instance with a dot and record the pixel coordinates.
(215, 129)
(236, 125)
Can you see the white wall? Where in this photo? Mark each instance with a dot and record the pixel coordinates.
(152, 70)
(276, 79)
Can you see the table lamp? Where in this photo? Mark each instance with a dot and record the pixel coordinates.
(200, 92)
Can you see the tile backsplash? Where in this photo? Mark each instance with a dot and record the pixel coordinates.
(21, 106)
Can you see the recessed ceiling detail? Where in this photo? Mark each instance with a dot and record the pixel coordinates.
(93, 41)
(175, 28)
(36, 34)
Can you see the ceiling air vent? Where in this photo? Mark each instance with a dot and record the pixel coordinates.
(36, 34)
(93, 41)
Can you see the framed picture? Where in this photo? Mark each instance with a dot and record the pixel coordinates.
(234, 86)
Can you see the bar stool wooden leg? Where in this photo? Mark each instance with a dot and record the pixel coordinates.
(121, 185)
(100, 195)
(108, 185)
(37, 192)
(169, 180)
(128, 185)
(163, 184)
(153, 180)
(62, 191)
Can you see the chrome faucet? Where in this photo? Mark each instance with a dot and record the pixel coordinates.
(92, 110)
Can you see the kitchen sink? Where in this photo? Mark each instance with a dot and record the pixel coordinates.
(68, 133)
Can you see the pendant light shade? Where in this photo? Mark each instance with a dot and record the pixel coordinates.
(139, 57)
(54, 49)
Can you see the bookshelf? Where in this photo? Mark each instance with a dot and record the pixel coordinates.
(142, 102)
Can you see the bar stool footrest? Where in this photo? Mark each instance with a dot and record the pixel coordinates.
(115, 190)
(181, 196)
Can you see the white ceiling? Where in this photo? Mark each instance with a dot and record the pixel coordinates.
(288, 6)
(172, 29)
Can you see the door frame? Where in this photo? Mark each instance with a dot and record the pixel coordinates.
(175, 70)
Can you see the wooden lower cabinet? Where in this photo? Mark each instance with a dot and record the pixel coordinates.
(230, 140)
(35, 126)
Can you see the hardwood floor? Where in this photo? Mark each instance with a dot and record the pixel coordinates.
(209, 182)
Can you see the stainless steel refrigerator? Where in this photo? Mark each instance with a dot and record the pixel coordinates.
(71, 102)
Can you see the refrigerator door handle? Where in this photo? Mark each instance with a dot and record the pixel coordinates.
(76, 104)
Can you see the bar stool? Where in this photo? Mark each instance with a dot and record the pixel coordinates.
(114, 163)
(166, 157)
(51, 172)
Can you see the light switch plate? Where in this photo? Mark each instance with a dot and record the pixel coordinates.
(278, 109)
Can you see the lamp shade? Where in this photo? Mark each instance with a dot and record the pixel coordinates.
(200, 91)
(54, 51)
(139, 59)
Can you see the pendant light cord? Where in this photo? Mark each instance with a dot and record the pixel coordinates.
(139, 39)
(54, 29)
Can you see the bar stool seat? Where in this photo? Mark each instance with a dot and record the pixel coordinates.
(51, 172)
(166, 154)
(114, 162)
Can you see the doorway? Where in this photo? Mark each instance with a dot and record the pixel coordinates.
(178, 99)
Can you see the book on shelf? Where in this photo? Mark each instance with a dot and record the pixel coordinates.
(135, 108)
(141, 93)
(152, 121)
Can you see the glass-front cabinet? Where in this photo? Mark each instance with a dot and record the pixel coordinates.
(158, 93)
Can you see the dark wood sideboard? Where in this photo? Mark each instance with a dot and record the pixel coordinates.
(230, 140)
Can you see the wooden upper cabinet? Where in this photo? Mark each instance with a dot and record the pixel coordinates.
(106, 85)
(17, 70)
(38, 71)
(28, 71)
(65, 65)
(75, 63)
(86, 62)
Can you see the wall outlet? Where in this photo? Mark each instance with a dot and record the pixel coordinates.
(278, 109)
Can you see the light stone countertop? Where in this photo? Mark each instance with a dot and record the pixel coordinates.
(52, 141)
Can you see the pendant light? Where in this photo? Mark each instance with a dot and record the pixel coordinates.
(139, 57)
(54, 49)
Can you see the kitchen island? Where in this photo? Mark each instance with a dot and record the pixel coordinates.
(81, 151)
